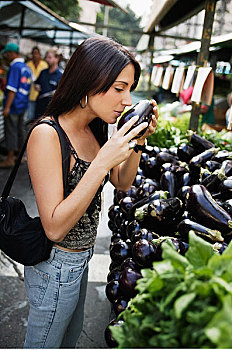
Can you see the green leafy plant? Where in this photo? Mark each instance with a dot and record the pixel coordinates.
(184, 302)
(172, 133)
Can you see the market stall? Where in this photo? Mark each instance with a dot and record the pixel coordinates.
(169, 281)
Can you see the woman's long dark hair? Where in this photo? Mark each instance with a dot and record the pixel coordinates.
(92, 69)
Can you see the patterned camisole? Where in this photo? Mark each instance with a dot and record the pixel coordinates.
(83, 234)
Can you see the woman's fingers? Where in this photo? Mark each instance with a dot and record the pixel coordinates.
(135, 131)
(128, 125)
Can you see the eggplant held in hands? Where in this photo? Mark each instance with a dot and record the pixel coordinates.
(144, 109)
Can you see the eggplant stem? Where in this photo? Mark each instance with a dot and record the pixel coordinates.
(139, 214)
(215, 235)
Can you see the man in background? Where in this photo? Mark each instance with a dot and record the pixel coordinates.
(15, 102)
(36, 64)
(47, 82)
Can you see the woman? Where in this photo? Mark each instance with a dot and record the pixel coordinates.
(93, 92)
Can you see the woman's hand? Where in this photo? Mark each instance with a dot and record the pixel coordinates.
(152, 126)
(117, 148)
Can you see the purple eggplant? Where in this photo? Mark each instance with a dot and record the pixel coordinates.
(132, 192)
(173, 150)
(129, 263)
(166, 157)
(119, 251)
(114, 265)
(187, 225)
(112, 226)
(140, 172)
(227, 165)
(144, 253)
(165, 209)
(126, 204)
(200, 144)
(112, 290)
(114, 274)
(144, 234)
(212, 165)
(152, 151)
(226, 188)
(168, 167)
(110, 341)
(151, 169)
(185, 152)
(118, 219)
(118, 194)
(185, 179)
(204, 173)
(139, 179)
(144, 109)
(148, 187)
(200, 159)
(222, 155)
(143, 203)
(116, 236)
(227, 205)
(132, 227)
(112, 211)
(143, 160)
(127, 282)
(123, 230)
(206, 211)
(120, 305)
(180, 246)
(168, 182)
(161, 215)
(213, 181)
(182, 193)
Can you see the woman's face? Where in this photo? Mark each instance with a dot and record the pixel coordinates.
(109, 105)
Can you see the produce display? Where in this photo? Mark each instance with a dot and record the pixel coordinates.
(170, 249)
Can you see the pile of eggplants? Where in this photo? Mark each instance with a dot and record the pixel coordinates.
(176, 190)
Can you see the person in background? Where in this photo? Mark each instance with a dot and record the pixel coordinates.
(207, 112)
(47, 82)
(15, 102)
(229, 111)
(94, 90)
(36, 64)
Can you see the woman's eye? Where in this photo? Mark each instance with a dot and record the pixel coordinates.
(119, 90)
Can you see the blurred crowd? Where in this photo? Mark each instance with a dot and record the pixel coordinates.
(26, 86)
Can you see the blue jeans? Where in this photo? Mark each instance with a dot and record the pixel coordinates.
(56, 289)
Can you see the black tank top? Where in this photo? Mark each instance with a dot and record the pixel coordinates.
(83, 234)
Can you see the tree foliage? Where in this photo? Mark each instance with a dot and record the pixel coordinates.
(69, 9)
(119, 19)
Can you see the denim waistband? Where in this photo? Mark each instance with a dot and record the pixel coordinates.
(66, 256)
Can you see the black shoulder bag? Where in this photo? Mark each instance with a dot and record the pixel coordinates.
(22, 238)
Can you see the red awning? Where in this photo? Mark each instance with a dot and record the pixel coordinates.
(104, 2)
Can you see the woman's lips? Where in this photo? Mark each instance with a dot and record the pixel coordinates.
(118, 113)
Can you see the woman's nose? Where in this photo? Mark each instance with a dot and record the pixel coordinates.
(127, 100)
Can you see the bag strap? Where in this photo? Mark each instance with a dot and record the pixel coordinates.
(65, 150)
